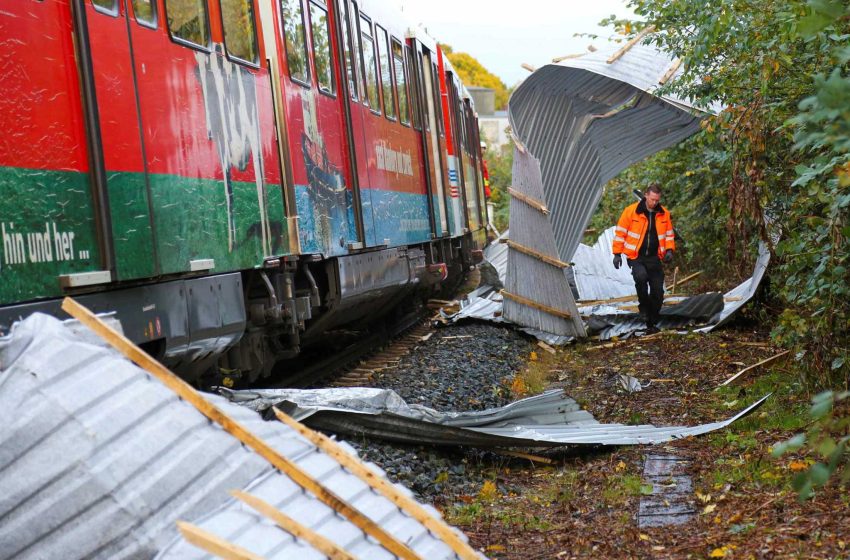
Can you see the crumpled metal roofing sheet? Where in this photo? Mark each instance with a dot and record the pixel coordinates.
(740, 295)
(98, 460)
(528, 276)
(595, 275)
(587, 120)
(551, 419)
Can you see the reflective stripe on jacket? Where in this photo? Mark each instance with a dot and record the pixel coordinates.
(633, 225)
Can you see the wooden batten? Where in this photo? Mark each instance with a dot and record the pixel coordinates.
(214, 544)
(628, 46)
(557, 263)
(524, 198)
(539, 306)
(670, 72)
(749, 369)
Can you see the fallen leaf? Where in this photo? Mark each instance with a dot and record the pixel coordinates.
(798, 466)
(621, 466)
(533, 356)
(643, 537)
(709, 508)
(495, 548)
(704, 498)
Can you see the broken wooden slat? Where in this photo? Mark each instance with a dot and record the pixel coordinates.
(539, 306)
(214, 544)
(294, 528)
(628, 46)
(534, 203)
(190, 395)
(520, 455)
(689, 277)
(536, 254)
(748, 369)
(382, 486)
(546, 347)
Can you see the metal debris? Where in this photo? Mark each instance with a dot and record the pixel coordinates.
(551, 419)
(630, 384)
(99, 460)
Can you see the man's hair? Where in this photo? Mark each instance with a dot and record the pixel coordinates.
(653, 187)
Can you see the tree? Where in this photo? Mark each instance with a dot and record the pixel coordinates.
(473, 73)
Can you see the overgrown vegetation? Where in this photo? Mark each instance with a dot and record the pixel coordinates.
(775, 161)
(473, 73)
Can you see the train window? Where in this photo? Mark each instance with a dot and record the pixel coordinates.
(386, 73)
(145, 12)
(368, 45)
(401, 82)
(415, 85)
(321, 31)
(188, 21)
(441, 124)
(240, 29)
(295, 37)
(358, 53)
(350, 62)
(106, 6)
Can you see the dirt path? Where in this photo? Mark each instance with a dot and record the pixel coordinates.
(586, 506)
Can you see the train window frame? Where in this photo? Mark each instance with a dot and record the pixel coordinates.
(255, 34)
(348, 51)
(150, 24)
(397, 88)
(319, 5)
(186, 42)
(370, 34)
(306, 82)
(113, 11)
(388, 53)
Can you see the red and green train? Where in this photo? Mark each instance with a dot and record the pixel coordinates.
(232, 178)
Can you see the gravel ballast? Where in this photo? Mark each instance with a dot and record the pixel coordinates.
(462, 367)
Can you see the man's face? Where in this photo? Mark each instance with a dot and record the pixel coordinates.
(652, 199)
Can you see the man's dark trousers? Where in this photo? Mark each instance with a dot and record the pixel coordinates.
(649, 282)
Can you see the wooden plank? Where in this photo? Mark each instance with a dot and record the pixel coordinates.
(382, 486)
(520, 455)
(537, 255)
(749, 369)
(193, 397)
(689, 277)
(294, 528)
(670, 72)
(628, 46)
(539, 306)
(214, 544)
(534, 203)
(546, 347)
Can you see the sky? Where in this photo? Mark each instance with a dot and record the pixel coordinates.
(502, 37)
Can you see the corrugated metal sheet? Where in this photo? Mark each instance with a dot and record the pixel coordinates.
(696, 310)
(527, 276)
(586, 121)
(551, 419)
(595, 275)
(744, 292)
(98, 460)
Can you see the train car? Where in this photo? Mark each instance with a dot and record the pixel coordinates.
(232, 178)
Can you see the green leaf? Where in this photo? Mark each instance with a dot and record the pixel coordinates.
(826, 447)
(646, 489)
(819, 474)
(792, 444)
(837, 363)
(813, 24)
(831, 8)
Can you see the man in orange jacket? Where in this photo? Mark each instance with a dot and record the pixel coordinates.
(645, 235)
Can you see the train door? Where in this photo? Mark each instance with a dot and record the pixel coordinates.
(325, 196)
(122, 148)
(470, 164)
(352, 55)
(432, 134)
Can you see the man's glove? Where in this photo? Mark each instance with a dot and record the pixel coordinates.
(668, 256)
(618, 261)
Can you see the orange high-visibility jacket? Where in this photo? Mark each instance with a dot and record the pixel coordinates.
(633, 226)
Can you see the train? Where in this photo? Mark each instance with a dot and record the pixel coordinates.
(233, 179)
